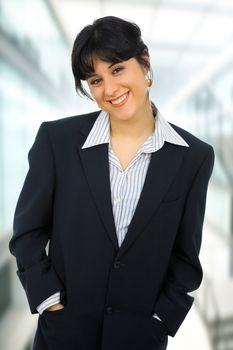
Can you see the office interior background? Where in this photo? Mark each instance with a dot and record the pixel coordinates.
(191, 50)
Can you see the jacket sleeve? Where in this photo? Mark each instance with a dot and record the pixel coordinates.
(184, 271)
(32, 225)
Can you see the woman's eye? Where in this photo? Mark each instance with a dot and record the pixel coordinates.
(117, 69)
(95, 81)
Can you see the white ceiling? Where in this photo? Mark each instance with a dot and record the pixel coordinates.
(184, 37)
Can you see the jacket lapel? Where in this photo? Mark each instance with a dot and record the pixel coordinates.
(96, 167)
(163, 166)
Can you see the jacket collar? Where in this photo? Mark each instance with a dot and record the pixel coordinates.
(100, 133)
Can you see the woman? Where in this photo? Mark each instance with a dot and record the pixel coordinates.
(120, 195)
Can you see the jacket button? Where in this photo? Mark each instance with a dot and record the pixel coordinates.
(109, 309)
(117, 264)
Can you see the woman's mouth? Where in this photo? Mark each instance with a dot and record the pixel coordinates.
(120, 101)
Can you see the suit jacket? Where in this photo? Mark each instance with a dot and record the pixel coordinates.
(111, 292)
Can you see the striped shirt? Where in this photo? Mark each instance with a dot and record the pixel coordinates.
(126, 184)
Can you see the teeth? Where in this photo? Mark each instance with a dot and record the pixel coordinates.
(119, 100)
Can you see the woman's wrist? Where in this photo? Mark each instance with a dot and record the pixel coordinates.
(55, 307)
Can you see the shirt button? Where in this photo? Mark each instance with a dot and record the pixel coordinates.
(117, 264)
(109, 309)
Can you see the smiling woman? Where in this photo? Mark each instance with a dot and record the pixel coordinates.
(120, 195)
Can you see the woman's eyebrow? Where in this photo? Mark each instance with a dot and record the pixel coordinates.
(94, 73)
(90, 75)
(112, 64)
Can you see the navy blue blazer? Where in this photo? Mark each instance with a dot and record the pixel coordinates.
(110, 292)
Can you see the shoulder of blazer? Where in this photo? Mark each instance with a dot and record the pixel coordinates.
(72, 124)
(196, 145)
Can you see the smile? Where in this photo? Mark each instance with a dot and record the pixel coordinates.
(120, 101)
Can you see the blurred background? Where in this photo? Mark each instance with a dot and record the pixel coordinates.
(191, 49)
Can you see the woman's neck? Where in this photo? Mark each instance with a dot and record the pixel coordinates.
(143, 124)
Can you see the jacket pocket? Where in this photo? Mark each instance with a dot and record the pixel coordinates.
(171, 200)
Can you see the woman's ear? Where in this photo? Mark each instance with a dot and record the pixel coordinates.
(146, 58)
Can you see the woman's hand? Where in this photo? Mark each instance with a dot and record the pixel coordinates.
(55, 307)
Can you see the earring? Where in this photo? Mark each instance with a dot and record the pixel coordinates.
(148, 81)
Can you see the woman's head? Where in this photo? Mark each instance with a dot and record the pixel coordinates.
(109, 39)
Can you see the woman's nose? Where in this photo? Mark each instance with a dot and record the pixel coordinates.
(110, 88)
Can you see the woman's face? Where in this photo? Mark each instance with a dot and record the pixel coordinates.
(119, 89)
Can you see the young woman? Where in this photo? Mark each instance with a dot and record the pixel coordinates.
(120, 196)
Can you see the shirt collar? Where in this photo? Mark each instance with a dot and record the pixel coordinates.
(100, 133)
